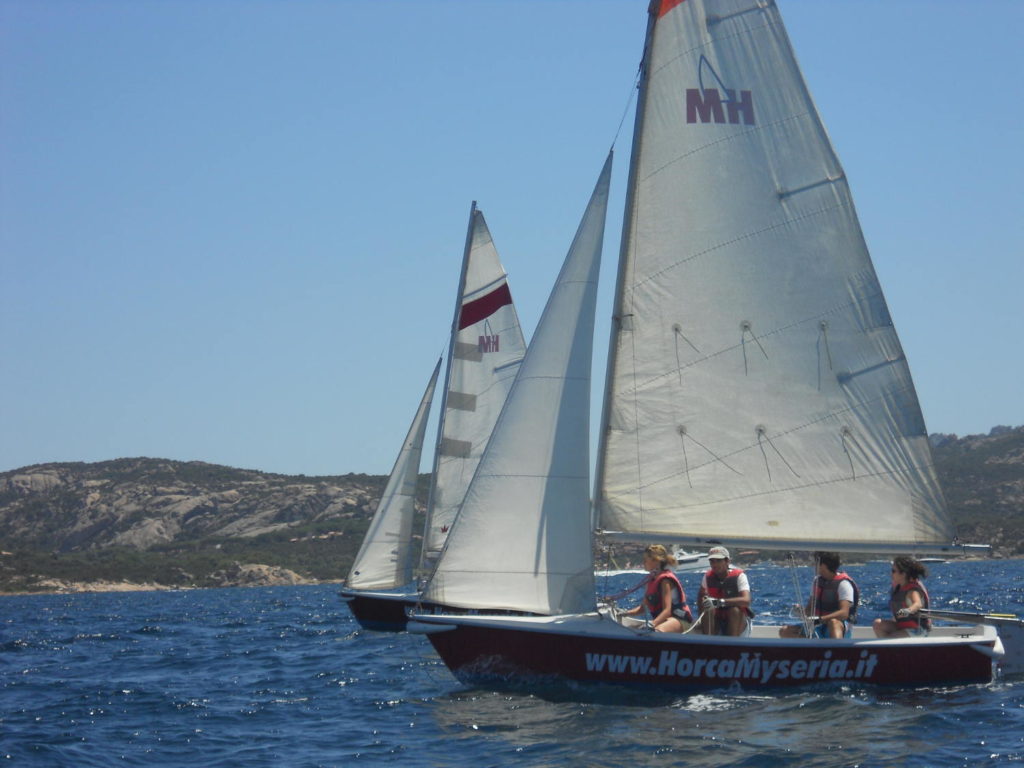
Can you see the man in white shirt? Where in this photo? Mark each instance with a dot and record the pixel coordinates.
(833, 601)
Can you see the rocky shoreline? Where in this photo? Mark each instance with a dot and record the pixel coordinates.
(239, 575)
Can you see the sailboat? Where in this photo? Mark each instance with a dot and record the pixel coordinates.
(486, 346)
(756, 396)
(385, 557)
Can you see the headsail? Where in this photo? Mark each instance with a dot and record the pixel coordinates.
(757, 391)
(384, 560)
(485, 351)
(526, 513)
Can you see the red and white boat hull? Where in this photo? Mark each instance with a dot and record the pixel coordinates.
(590, 648)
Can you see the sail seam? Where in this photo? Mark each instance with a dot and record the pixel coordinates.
(483, 290)
(725, 350)
(746, 236)
(713, 19)
(548, 476)
(908, 470)
(682, 54)
(831, 415)
(736, 136)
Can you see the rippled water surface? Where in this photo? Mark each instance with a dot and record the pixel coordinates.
(284, 677)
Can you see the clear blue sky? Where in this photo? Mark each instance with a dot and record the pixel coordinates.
(231, 231)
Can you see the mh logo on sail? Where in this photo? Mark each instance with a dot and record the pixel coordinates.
(708, 105)
(488, 342)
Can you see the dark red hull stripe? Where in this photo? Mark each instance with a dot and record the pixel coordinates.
(485, 306)
(668, 5)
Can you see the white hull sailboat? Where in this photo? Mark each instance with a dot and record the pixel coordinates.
(485, 349)
(757, 396)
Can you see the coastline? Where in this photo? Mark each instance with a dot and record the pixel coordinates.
(248, 575)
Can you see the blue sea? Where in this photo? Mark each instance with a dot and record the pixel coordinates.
(284, 677)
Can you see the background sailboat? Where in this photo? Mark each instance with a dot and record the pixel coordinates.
(384, 560)
(486, 347)
(521, 540)
(757, 394)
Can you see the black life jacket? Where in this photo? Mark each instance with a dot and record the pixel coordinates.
(826, 595)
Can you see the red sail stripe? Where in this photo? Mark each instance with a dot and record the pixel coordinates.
(668, 5)
(485, 306)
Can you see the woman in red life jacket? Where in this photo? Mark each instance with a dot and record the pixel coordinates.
(833, 602)
(724, 597)
(664, 596)
(909, 598)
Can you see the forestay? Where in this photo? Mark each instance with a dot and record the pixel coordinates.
(486, 348)
(384, 560)
(525, 517)
(757, 391)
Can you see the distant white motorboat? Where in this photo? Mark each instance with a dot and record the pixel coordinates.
(686, 562)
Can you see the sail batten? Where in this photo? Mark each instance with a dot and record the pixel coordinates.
(756, 386)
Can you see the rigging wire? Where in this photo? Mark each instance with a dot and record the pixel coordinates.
(629, 102)
(805, 617)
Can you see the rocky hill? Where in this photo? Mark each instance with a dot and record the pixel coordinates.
(982, 477)
(160, 522)
(177, 523)
(144, 503)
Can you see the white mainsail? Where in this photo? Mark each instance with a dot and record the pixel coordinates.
(486, 348)
(757, 391)
(384, 560)
(522, 537)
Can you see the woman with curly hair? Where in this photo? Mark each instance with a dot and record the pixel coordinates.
(909, 598)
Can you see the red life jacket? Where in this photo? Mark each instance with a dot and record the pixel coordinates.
(899, 600)
(727, 587)
(652, 596)
(826, 595)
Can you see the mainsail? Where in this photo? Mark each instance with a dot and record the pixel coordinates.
(756, 391)
(525, 518)
(384, 560)
(485, 351)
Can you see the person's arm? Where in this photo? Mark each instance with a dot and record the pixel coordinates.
(740, 601)
(842, 614)
(743, 599)
(634, 611)
(913, 602)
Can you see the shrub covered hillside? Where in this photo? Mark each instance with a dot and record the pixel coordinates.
(194, 524)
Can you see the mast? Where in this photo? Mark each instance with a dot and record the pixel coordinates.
(628, 216)
(447, 380)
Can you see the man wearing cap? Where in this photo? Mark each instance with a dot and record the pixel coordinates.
(724, 597)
